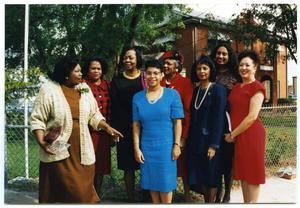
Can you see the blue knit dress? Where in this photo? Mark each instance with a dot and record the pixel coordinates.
(159, 171)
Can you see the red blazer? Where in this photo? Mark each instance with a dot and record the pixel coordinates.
(185, 89)
(101, 94)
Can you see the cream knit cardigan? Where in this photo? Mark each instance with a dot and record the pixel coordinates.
(51, 110)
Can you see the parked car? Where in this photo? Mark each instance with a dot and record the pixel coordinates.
(292, 97)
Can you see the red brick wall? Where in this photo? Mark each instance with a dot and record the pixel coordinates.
(192, 49)
(191, 45)
(185, 46)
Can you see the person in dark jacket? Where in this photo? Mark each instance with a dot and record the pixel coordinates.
(123, 87)
(225, 60)
(206, 129)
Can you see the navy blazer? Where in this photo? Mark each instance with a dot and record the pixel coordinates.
(207, 123)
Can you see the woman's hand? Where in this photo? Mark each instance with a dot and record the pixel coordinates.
(139, 157)
(40, 138)
(211, 153)
(46, 147)
(110, 130)
(228, 138)
(114, 133)
(176, 152)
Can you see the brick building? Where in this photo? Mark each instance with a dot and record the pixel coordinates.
(196, 39)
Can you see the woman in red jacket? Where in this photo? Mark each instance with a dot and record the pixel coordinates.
(93, 72)
(173, 61)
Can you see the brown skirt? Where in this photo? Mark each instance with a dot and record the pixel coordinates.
(67, 181)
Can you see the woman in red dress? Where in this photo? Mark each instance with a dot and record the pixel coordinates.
(248, 132)
(94, 70)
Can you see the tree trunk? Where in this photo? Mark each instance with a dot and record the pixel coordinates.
(134, 21)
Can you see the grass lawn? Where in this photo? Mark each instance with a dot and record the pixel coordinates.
(15, 162)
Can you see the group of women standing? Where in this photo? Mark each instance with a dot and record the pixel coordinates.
(212, 133)
(155, 117)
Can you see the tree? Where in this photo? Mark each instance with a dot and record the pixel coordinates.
(14, 35)
(103, 30)
(14, 57)
(15, 86)
(273, 24)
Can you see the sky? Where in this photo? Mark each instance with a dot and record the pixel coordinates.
(219, 9)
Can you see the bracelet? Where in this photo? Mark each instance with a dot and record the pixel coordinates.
(175, 143)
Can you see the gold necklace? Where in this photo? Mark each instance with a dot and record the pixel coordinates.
(134, 77)
(152, 101)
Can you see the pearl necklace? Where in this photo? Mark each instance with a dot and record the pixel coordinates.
(152, 101)
(195, 105)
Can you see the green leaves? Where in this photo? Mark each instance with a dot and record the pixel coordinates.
(15, 87)
(85, 30)
(274, 24)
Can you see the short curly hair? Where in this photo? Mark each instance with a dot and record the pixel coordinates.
(63, 67)
(88, 61)
(251, 54)
(139, 59)
(154, 63)
(203, 59)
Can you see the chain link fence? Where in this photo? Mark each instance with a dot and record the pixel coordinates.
(22, 161)
(281, 141)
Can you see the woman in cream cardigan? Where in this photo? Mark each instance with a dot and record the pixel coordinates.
(66, 106)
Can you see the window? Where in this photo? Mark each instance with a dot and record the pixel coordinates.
(267, 84)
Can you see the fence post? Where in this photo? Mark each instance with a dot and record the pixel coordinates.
(5, 155)
(26, 33)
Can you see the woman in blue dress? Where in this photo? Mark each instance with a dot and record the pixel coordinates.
(157, 114)
(206, 129)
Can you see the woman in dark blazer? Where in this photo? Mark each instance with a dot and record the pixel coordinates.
(226, 63)
(206, 129)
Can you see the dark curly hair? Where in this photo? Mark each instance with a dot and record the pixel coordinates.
(154, 63)
(63, 68)
(232, 63)
(203, 59)
(88, 61)
(251, 54)
(139, 59)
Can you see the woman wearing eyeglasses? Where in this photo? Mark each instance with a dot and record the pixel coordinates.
(157, 114)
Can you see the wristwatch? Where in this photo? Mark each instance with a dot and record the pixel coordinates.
(175, 143)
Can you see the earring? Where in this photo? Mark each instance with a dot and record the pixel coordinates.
(66, 78)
